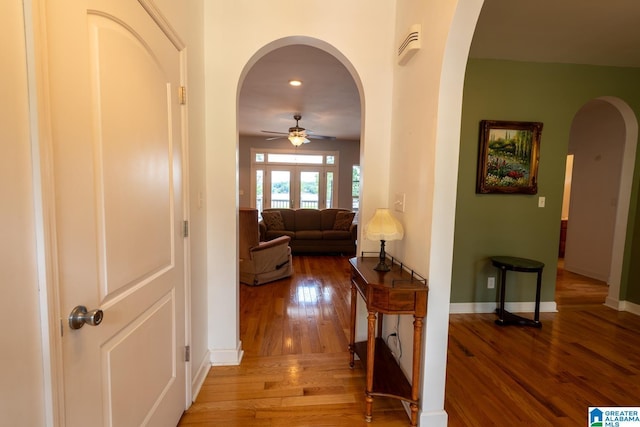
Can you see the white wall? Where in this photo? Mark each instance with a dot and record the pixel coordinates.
(360, 34)
(424, 164)
(21, 364)
(597, 141)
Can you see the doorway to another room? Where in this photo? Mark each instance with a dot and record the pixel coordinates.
(590, 204)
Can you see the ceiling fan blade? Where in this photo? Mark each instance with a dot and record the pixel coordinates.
(297, 131)
(312, 136)
(275, 137)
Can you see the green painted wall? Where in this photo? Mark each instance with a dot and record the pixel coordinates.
(500, 224)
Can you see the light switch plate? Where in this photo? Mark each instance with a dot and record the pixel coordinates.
(398, 204)
(541, 202)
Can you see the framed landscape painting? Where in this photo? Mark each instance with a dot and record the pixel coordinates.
(508, 157)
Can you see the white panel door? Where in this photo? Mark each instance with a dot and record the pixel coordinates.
(117, 139)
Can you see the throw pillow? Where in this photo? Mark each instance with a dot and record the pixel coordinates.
(343, 220)
(273, 220)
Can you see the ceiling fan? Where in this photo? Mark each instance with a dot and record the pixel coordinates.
(298, 135)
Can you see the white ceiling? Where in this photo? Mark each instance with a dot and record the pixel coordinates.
(596, 32)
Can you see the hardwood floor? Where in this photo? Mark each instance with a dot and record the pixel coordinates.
(295, 370)
(574, 291)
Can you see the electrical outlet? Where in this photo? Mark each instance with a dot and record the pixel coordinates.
(491, 282)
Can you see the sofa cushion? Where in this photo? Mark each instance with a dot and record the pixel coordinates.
(272, 234)
(343, 220)
(308, 219)
(308, 235)
(273, 220)
(336, 235)
(327, 218)
(289, 218)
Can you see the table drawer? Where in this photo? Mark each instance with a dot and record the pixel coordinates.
(397, 301)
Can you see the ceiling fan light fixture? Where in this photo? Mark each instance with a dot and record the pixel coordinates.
(298, 140)
(297, 135)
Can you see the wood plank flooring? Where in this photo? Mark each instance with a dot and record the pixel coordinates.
(295, 370)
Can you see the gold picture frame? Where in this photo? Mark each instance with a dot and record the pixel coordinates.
(508, 157)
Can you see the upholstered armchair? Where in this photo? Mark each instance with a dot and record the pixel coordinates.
(261, 262)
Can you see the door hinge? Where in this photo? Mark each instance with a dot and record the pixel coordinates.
(185, 228)
(187, 353)
(182, 95)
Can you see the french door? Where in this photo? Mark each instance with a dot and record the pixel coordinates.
(297, 187)
(294, 180)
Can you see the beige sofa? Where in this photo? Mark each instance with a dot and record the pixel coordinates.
(313, 231)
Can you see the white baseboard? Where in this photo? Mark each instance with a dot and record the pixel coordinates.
(623, 306)
(613, 303)
(490, 307)
(529, 307)
(201, 375)
(434, 418)
(226, 357)
(630, 307)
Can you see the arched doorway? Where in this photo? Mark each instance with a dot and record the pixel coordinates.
(596, 143)
(326, 102)
(271, 169)
(596, 210)
(603, 140)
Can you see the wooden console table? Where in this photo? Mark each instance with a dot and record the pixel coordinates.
(399, 291)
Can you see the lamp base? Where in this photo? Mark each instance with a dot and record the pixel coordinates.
(382, 265)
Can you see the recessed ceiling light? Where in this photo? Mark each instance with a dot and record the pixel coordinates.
(295, 82)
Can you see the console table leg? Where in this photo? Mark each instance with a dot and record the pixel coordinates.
(352, 332)
(415, 378)
(414, 415)
(369, 402)
(371, 351)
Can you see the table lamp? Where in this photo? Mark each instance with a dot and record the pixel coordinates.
(384, 227)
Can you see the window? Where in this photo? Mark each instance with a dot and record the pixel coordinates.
(329, 201)
(355, 187)
(259, 187)
(294, 158)
(283, 179)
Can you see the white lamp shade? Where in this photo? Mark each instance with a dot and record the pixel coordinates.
(383, 226)
(298, 140)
